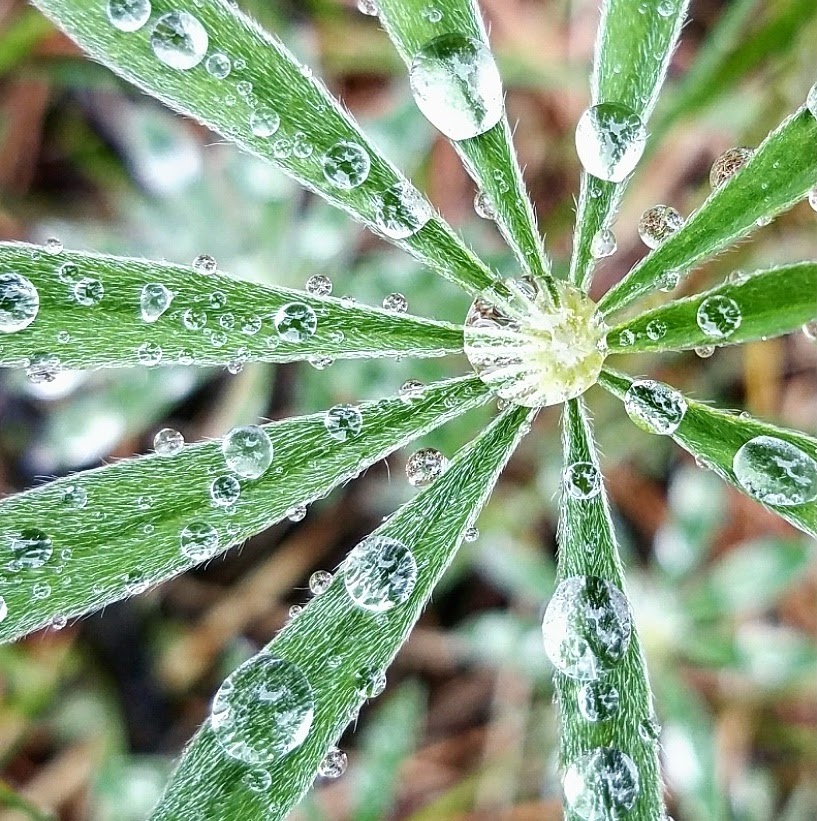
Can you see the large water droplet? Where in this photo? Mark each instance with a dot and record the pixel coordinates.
(728, 164)
(199, 541)
(154, 300)
(248, 451)
(263, 710)
(587, 627)
(128, 15)
(610, 140)
(343, 422)
(19, 302)
(179, 40)
(402, 211)
(457, 86)
(168, 442)
(654, 406)
(27, 550)
(225, 491)
(424, 466)
(601, 785)
(346, 165)
(380, 573)
(719, 316)
(776, 472)
(295, 322)
(658, 223)
(597, 700)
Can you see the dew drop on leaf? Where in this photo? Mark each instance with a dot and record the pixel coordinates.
(58, 622)
(368, 7)
(319, 285)
(149, 353)
(425, 466)
(28, 549)
(380, 573)
(582, 480)
(19, 302)
(471, 534)
(410, 390)
(295, 322)
(776, 472)
(168, 442)
(586, 628)
(401, 211)
(248, 451)
(297, 513)
(205, 264)
(43, 368)
(333, 764)
(601, 785)
(656, 329)
(295, 610)
(705, 351)
(343, 422)
(626, 338)
(194, 319)
(658, 223)
(258, 780)
(264, 122)
(199, 541)
(654, 406)
(68, 273)
(346, 165)
(719, 316)
(370, 683)
(598, 700)
(483, 206)
(53, 245)
(610, 140)
(728, 164)
(4, 609)
(40, 591)
(88, 292)
(457, 86)
(395, 302)
(263, 710)
(128, 15)
(218, 65)
(179, 40)
(603, 244)
(319, 582)
(225, 491)
(154, 300)
(810, 330)
(74, 496)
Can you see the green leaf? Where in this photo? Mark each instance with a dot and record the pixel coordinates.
(113, 333)
(782, 172)
(311, 120)
(770, 303)
(588, 547)
(127, 535)
(337, 645)
(634, 45)
(490, 157)
(714, 436)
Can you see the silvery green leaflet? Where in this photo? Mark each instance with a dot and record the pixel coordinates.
(532, 341)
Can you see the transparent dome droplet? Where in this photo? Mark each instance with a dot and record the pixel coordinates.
(333, 764)
(425, 466)
(194, 319)
(582, 480)
(319, 582)
(704, 351)
(205, 264)
(149, 353)
(368, 7)
(295, 322)
(656, 329)
(53, 245)
(598, 700)
(88, 292)
(27, 549)
(471, 534)
(668, 281)
(248, 451)
(776, 472)
(225, 491)
(264, 122)
(154, 300)
(263, 710)
(587, 627)
(401, 211)
(128, 15)
(654, 406)
(457, 86)
(218, 65)
(258, 780)
(483, 206)
(343, 422)
(370, 683)
(603, 244)
(346, 165)
(658, 223)
(58, 622)
(395, 302)
(168, 442)
(380, 573)
(43, 368)
(75, 497)
(199, 541)
(719, 316)
(728, 164)
(610, 140)
(410, 390)
(179, 40)
(810, 330)
(40, 591)
(19, 302)
(319, 285)
(601, 785)
(296, 513)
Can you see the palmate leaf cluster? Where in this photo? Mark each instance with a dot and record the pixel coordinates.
(119, 528)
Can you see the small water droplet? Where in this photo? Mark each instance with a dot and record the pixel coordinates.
(179, 40)
(225, 491)
(43, 368)
(40, 591)
(668, 281)
(53, 245)
(582, 480)
(656, 329)
(597, 700)
(297, 513)
(401, 211)
(728, 164)
(58, 622)
(603, 244)
(248, 451)
(654, 406)
(601, 785)
(343, 422)
(149, 353)
(19, 302)
(719, 316)
(483, 206)
(368, 7)
(28, 549)
(425, 466)
(471, 534)
(218, 65)
(258, 780)
(457, 86)
(251, 325)
(626, 338)
(319, 582)
(295, 322)
(168, 442)
(264, 122)
(154, 300)
(380, 573)
(319, 285)
(199, 541)
(658, 223)
(295, 610)
(88, 291)
(395, 302)
(649, 730)
(810, 330)
(205, 264)
(705, 351)
(333, 764)
(217, 300)
(346, 165)
(411, 390)
(74, 496)
(610, 140)
(776, 472)
(370, 683)
(194, 319)
(128, 15)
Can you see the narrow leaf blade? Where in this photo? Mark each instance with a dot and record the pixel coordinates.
(126, 536)
(331, 627)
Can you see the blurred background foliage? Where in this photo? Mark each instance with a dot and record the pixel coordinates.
(725, 594)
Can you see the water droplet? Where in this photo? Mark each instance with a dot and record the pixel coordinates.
(343, 422)
(597, 700)
(582, 480)
(719, 316)
(424, 466)
(301, 147)
(319, 582)
(225, 491)
(411, 390)
(236, 366)
(295, 322)
(402, 211)
(668, 281)
(74, 496)
(88, 292)
(319, 285)
(320, 363)
(179, 40)
(810, 330)
(247, 451)
(368, 7)
(244, 88)
(471, 534)
(776, 472)
(297, 513)
(370, 683)
(154, 300)
(258, 780)
(395, 302)
(263, 710)
(433, 15)
(654, 406)
(149, 353)
(380, 573)
(649, 730)
(658, 223)
(264, 122)
(218, 65)
(483, 206)
(205, 264)
(43, 368)
(656, 329)
(168, 442)
(199, 541)
(737, 277)
(587, 627)
(705, 351)
(53, 245)
(28, 549)
(217, 300)
(346, 165)
(728, 164)
(295, 610)
(603, 244)
(601, 785)
(194, 319)
(251, 325)
(58, 622)
(40, 591)
(128, 15)
(457, 86)
(333, 764)
(626, 338)
(4, 609)
(610, 140)
(19, 302)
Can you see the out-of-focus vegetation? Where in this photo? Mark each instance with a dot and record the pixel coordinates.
(725, 595)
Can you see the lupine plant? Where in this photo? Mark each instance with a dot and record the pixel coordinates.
(533, 340)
